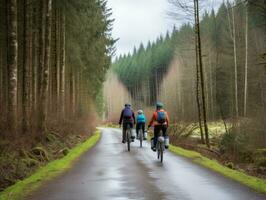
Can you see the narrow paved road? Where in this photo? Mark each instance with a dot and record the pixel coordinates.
(108, 171)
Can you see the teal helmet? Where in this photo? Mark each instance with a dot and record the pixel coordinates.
(159, 105)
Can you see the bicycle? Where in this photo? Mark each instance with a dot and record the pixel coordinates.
(160, 145)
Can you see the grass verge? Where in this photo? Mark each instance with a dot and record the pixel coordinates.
(250, 181)
(51, 170)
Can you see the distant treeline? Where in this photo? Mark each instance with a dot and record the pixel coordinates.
(145, 67)
(234, 52)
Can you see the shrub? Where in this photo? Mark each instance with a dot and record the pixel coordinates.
(260, 157)
(237, 145)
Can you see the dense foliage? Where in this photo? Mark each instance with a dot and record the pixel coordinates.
(53, 59)
(89, 45)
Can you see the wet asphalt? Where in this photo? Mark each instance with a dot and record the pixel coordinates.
(109, 171)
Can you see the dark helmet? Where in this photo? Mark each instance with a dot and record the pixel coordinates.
(127, 105)
(159, 105)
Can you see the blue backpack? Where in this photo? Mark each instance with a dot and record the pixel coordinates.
(141, 118)
(127, 114)
(161, 117)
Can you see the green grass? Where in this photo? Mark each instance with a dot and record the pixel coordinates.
(51, 170)
(250, 181)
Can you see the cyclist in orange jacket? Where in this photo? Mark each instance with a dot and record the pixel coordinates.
(160, 120)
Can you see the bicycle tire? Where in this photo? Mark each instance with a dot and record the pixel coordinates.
(158, 151)
(140, 137)
(128, 135)
(128, 141)
(161, 151)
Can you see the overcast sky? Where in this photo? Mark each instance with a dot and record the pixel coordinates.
(138, 21)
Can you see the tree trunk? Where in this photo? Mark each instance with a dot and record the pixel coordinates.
(55, 65)
(197, 76)
(235, 62)
(12, 66)
(44, 86)
(62, 64)
(3, 66)
(26, 71)
(246, 66)
(211, 88)
(73, 93)
(202, 76)
(34, 61)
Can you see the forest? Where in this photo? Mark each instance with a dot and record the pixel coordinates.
(50, 53)
(233, 54)
(46, 71)
(60, 78)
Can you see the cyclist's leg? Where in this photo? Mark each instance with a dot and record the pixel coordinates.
(143, 130)
(164, 129)
(143, 127)
(131, 127)
(124, 132)
(137, 129)
(156, 133)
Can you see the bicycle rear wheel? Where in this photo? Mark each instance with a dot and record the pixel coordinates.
(161, 151)
(128, 136)
(128, 140)
(158, 150)
(140, 137)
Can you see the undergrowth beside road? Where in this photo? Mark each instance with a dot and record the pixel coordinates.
(111, 125)
(22, 156)
(250, 181)
(240, 147)
(51, 170)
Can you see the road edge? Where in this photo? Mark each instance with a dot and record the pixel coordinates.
(253, 182)
(24, 187)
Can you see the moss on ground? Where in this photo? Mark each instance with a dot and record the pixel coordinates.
(250, 181)
(51, 170)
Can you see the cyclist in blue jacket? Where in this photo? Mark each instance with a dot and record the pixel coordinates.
(141, 120)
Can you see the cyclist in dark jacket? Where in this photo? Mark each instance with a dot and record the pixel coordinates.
(128, 118)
